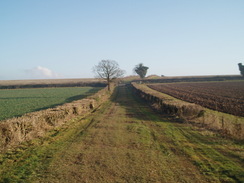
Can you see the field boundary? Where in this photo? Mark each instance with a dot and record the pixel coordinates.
(53, 85)
(176, 79)
(35, 124)
(228, 125)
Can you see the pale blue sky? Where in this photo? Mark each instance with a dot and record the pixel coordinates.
(66, 38)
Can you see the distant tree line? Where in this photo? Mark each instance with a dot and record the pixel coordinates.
(91, 84)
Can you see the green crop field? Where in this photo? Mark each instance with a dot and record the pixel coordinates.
(18, 102)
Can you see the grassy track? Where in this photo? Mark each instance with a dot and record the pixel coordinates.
(125, 141)
(20, 101)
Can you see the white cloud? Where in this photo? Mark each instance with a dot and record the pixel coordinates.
(40, 72)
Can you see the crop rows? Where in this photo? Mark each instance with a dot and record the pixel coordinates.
(227, 97)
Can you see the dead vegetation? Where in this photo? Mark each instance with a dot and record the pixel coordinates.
(228, 125)
(227, 97)
(32, 125)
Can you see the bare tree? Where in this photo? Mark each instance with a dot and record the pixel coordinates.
(109, 70)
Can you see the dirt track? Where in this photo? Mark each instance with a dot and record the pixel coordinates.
(125, 141)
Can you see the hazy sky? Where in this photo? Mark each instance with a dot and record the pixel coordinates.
(66, 38)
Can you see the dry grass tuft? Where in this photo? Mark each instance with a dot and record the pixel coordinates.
(32, 125)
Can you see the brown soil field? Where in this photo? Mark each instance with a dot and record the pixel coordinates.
(227, 97)
(124, 140)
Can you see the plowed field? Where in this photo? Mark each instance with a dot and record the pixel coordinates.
(227, 97)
